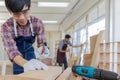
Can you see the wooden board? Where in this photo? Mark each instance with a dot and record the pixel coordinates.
(68, 75)
(65, 75)
(87, 59)
(3, 65)
(95, 57)
(93, 40)
(51, 74)
(13, 77)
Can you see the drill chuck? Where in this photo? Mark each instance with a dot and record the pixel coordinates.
(101, 74)
(94, 73)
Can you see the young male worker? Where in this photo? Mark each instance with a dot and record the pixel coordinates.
(19, 33)
(62, 49)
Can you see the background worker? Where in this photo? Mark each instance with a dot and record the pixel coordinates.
(19, 33)
(62, 49)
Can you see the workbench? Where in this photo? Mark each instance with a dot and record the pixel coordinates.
(51, 74)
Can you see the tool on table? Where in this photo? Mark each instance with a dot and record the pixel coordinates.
(95, 73)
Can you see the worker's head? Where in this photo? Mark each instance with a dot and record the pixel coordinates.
(67, 37)
(19, 10)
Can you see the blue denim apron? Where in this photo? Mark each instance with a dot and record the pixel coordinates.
(24, 45)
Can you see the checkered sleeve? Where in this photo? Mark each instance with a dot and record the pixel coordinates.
(9, 43)
(41, 33)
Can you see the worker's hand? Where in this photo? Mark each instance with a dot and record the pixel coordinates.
(68, 50)
(43, 51)
(34, 64)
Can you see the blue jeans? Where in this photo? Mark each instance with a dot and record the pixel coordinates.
(65, 64)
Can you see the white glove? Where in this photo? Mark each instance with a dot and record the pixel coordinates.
(43, 51)
(34, 64)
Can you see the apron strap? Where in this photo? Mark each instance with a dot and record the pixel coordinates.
(15, 30)
(31, 27)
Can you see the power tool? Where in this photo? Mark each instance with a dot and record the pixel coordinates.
(95, 73)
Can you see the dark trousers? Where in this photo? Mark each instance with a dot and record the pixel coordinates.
(65, 64)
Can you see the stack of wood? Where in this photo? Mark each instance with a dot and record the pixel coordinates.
(110, 56)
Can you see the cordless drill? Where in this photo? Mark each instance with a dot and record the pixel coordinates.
(94, 73)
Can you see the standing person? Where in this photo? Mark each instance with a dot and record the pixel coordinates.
(62, 49)
(19, 33)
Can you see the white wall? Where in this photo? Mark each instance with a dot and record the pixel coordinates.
(51, 27)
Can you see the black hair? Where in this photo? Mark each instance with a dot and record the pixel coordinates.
(17, 5)
(67, 36)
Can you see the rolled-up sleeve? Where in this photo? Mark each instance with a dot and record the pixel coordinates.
(60, 45)
(41, 33)
(9, 43)
(69, 43)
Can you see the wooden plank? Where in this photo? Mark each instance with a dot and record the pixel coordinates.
(3, 68)
(4, 64)
(51, 74)
(104, 66)
(95, 57)
(105, 58)
(87, 59)
(118, 57)
(68, 75)
(65, 75)
(76, 78)
(13, 77)
(118, 68)
(93, 40)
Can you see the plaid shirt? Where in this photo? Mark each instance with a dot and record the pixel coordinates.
(9, 35)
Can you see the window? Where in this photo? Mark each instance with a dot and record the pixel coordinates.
(96, 27)
(76, 41)
(95, 21)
